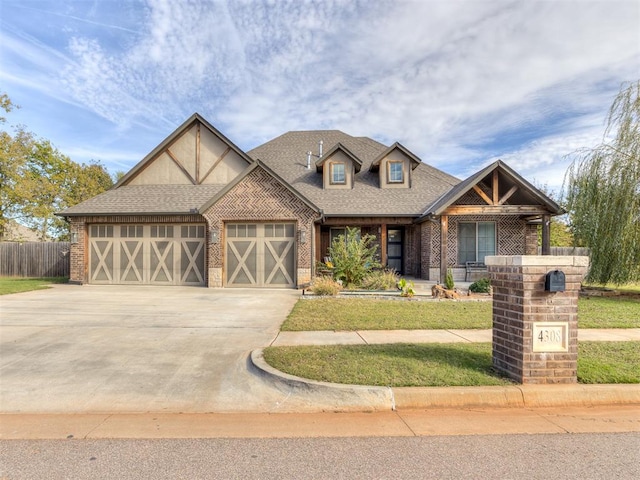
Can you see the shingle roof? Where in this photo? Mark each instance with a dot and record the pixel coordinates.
(146, 199)
(286, 155)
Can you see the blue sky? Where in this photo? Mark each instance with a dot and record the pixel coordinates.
(459, 83)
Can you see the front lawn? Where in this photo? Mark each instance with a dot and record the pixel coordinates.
(337, 313)
(17, 285)
(370, 314)
(431, 365)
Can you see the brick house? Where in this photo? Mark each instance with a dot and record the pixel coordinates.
(200, 211)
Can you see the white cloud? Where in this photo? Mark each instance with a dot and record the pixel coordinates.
(457, 82)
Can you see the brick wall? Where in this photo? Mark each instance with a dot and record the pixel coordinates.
(260, 197)
(519, 302)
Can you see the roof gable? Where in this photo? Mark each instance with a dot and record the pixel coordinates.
(357, 163)
(195, 153)
(415, 161)
(257, 164)
(496, 189)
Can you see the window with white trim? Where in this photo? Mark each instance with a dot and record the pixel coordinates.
(395, 173)
(337, 173)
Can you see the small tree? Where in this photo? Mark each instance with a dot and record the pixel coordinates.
(353, 257)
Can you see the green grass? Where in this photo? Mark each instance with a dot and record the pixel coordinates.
(370, 314)
(17, 285)
(609, 312)
(431, 365)
(609, 362)
(626, 288)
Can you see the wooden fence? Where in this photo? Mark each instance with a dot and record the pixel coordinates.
(567, 251)
(34, 259)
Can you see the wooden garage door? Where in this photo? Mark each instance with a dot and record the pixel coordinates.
(147, 254)
(260, 255)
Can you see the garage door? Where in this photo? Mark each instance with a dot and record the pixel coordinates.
(147, 254)
(260, 255)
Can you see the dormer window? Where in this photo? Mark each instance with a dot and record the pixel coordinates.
(395, 173)
(337, 172)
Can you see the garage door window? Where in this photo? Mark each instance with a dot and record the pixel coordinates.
(161, 231)
(131, 231)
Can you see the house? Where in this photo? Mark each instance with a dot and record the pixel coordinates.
(15, 232)
(200, 211)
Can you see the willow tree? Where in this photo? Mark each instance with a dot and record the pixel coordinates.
(603, 194)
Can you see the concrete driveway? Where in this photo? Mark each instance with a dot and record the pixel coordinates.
(137, 349)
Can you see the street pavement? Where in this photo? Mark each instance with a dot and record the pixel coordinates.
(577, 456)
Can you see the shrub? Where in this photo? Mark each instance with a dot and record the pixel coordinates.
(353, 257)
(380, 280)
(481, 286)
(325, 286)
(406, 287)
(448, 280)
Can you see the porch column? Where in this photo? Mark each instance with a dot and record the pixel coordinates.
(546, 235)
(317, 238)
(444, 231)
(383, 244)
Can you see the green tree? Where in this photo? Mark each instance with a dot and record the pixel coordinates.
(561, 235)
(353, 257)
(603, 194)
(37, 180)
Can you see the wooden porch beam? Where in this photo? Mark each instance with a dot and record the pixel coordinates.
(483, 195)
(546, 235)
(494, 187)
(496, 210)
(508, 195)
(383, 244)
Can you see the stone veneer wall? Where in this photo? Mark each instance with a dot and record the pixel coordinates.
(519, 301)
(260, 197)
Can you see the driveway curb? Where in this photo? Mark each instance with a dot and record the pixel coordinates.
(370, 398)
(327, 396)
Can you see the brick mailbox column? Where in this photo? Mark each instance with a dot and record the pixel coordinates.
(535, 331)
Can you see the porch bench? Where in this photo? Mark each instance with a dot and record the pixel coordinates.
(472, 267)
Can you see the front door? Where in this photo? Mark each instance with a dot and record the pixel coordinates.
(394, 249)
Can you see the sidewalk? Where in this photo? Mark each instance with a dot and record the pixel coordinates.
(363, 337)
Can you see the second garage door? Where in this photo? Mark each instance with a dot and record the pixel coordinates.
(260, 254)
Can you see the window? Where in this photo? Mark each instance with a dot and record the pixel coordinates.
(161, 231)
(337, 172)
(395, 173)
(102, 231)
(476, 240)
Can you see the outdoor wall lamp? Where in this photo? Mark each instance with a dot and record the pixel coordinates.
(303, 236)
(214, 235)
(74, 237)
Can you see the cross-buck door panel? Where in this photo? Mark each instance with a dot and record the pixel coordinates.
(147, 254)
(260, 255)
